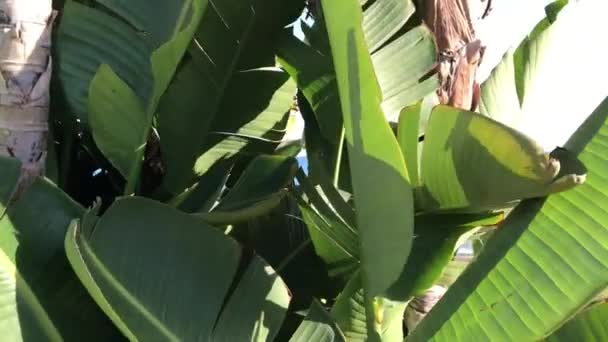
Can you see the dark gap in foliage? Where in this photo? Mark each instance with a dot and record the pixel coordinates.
(83, 172)
(368, 4)
(89, 175)
(58, 4)
(237, 170)
(153, 169)
(290, 324)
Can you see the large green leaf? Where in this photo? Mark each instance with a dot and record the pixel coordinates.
(337, 199)
(41, 296)
(378, 170)
(550, 84)
(318, 326)
(332, 232)
(548, 259)
(411, 127)
(413, 51)
(161, 274)
(123, 127)
(401, 67)
(258, 190)
(591, 325)
(452, 271)
(467, 158)
(262, 118)
(334, 242)
(226, 100)
(280, 237)
(256, 308)
(312, 69)
(88, 38)
(203, 195)
(401, 60)
(24, 314)
(349, 312)
(327, 159)
(195, 141)
(383, 19)
(130, 59)
(408, 135)
(436, 239)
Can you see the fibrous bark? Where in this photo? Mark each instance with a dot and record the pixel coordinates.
(25, 72)
(460, 52)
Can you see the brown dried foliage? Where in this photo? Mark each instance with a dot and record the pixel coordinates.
(452, 22)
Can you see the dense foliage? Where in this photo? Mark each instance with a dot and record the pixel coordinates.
(173, 209)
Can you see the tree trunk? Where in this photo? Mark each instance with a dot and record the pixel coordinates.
(25, 72)
(459, 51)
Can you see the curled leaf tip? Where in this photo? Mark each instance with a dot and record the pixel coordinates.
(567, 182)
(553, 167)
(579, 179)
(550, 168)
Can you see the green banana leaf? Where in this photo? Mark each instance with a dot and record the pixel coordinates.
(318, 326)
(349, 311)
(374, 154)
(204, 194)
(408, 136)
(334, 237)
(394, 52)
(335, 241)
(312, 69)
(451, 272)
(337, 199)
(162, 274)
(467, 159)
(42, 299)
(383, 19)
(546, 260)
(325, 158)
(519, 94)
(227, 99)
(550, 84)
(280, 237)
(591, 325)
(114, 65)
(401, 59)
(436, 238)
(195, 142)
(258, 190)
(378, 170)
(402, 67)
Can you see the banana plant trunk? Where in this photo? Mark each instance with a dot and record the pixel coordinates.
(25, 73)
(459, 51)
